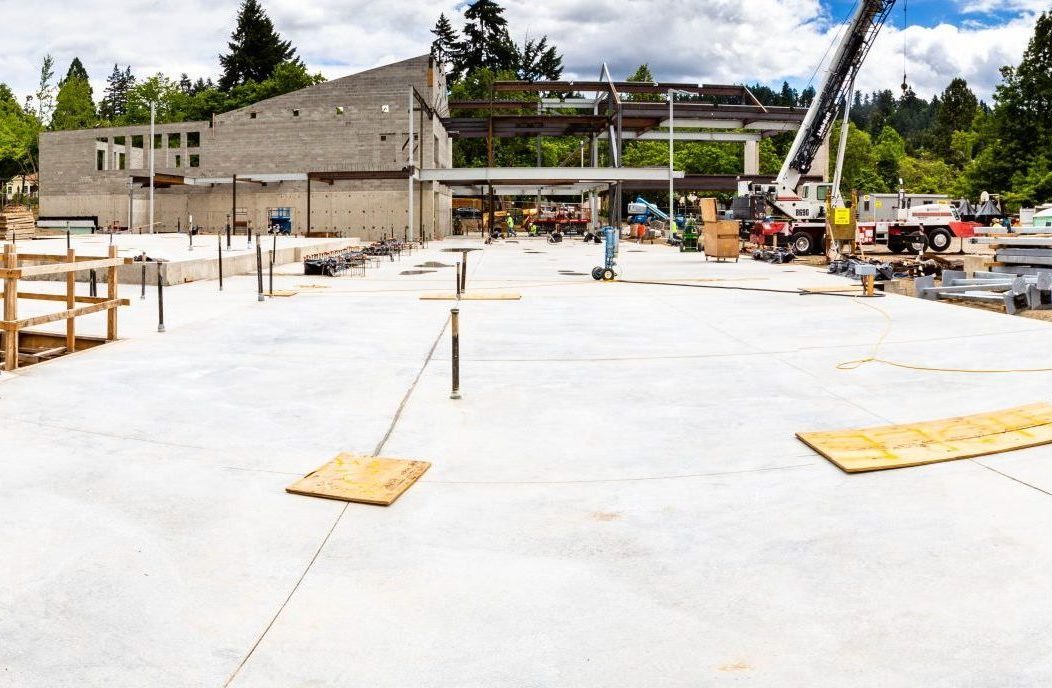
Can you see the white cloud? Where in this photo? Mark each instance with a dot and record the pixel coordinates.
(683, 40)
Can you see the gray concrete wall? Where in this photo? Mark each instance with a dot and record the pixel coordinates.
(358, 122)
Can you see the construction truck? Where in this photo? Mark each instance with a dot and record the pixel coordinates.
(565, 218)
(785, 209)
(910, 222)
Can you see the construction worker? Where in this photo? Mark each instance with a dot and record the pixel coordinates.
(511, 225)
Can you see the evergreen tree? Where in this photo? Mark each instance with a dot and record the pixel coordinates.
(76, 68)
(114, 103)
(955, 112)
(74, 107)
(486, 40)
(446, 48)
(539, 61)
(643, 75)
(255, 48)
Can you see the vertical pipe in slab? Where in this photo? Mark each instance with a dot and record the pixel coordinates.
(153, 118)
(455, 321)
(409, 157)
(259, 272)
(220, 242)
(160, 300)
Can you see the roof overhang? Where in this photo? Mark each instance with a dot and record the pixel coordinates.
(543, 176)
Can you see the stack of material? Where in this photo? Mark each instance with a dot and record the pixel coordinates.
(721, 237)
(17, 222)
(1012, 292)
(1024, 251)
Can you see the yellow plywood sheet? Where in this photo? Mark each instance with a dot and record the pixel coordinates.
(916, 444)
(282, 292)
(472, 297)
(366, 479)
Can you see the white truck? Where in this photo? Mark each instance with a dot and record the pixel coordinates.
(912, 222)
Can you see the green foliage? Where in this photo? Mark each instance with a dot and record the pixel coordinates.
(486, 40)
(19, 128)
(927, 175)
(114, 105)
(74, 107)
(177, 103)
(486, 44)
(255, 48)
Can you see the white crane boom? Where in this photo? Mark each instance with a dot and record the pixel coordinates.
(859, 36)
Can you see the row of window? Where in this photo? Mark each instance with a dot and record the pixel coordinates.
(133, 146)
(120, 161)
(193, 140)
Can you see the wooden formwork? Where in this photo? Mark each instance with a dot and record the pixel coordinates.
(15, 266)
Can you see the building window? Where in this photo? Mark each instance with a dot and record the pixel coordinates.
(295, 113)
(158, 140)
(178, 161)
(193, 139)
(175, 141)
(195, 160)
(383, 137)
(251, 115)
(339, 109)
(118, 140)
(120, 160)
(100, 160)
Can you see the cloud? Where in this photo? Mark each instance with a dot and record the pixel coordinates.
(682, 40)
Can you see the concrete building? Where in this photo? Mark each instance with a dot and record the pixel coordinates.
(338, 150)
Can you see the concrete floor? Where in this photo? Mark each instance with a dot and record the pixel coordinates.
(618, 499)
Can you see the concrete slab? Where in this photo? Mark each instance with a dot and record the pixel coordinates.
(618, 499)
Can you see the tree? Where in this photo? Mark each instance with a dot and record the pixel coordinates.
(859, 172)
(446, 48)
(955, 113)
(255, 48)
(643, 75)
(76, 69)
(539, 61)
(486, 40)
(889, 151)
(45, 94)
(74, 107)
(114, 103)
(19, 129)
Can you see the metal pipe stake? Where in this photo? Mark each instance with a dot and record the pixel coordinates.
(455, 320)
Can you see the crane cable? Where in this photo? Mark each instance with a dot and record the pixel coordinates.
(905, 25)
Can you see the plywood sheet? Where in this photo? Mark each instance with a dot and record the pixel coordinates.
(365, 479)
(916, 444)
(282, 292)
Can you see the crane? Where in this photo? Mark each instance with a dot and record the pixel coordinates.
(836, 86)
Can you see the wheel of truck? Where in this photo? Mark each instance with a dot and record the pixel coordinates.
(896, 245)
(801, 243)
(939, 239)
(917, 242)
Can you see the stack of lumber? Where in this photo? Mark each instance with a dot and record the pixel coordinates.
(17, 222)
(1024, 251)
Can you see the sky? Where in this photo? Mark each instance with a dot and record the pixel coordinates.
(696, 41)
